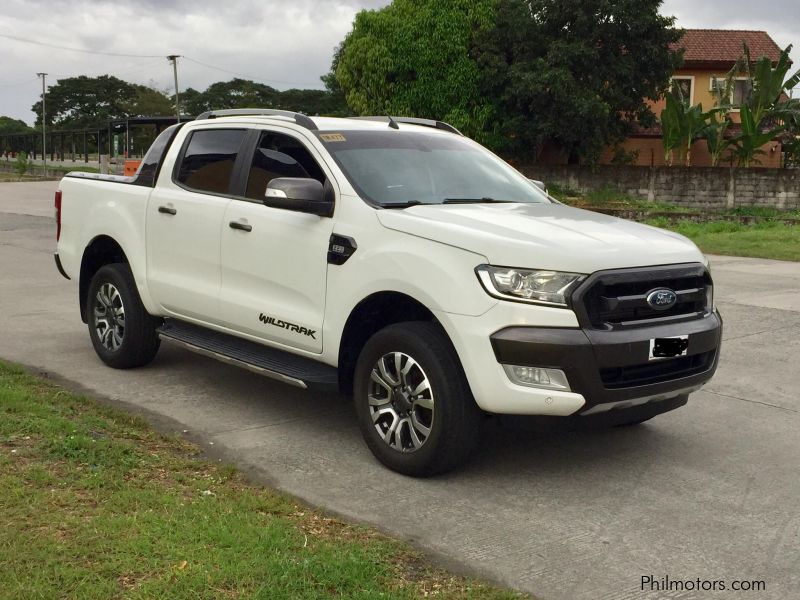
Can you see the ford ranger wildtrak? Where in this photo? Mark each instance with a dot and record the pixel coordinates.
(394, 259)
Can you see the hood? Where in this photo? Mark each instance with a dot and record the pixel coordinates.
(543, 236)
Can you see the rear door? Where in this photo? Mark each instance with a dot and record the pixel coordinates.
(184, 220)
(274, 261)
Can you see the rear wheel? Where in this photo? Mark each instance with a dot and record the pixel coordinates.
(414, 406)
(123, 333)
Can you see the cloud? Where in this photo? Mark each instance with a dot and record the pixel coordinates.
(285, 43)
(781, 18)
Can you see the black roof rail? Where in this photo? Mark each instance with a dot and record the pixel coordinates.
(299, 118)
(413, 121)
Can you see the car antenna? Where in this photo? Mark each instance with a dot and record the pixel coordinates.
(392, 123)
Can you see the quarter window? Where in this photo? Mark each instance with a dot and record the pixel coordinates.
(279, 155)
(208, 161)
(151, 162)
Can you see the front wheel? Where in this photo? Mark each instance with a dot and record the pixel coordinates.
(123, 333)
(414, 406)
(633, 422)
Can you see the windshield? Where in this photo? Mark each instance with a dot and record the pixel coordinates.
(397, 168)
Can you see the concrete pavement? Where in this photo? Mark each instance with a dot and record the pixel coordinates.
(709, 491)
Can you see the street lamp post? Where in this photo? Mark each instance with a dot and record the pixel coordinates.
(44, 125)
(174, 59)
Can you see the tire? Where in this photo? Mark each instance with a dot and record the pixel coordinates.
(634, 422)
(123, 343)
(427, 432)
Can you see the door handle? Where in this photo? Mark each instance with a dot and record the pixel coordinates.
(167, 210)
(240, 226)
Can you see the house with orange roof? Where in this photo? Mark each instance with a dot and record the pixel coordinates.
(708, 55)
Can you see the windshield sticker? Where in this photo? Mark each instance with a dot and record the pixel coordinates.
(332, 137)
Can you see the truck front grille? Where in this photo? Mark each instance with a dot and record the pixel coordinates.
(618, 299)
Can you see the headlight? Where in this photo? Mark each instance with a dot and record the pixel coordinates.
(525, 285)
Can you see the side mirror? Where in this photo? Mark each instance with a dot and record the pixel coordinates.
(539, 184)
(301, 194)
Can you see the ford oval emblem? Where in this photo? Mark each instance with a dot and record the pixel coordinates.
(662, 299)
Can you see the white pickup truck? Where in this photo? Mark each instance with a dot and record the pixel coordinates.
(396, 260)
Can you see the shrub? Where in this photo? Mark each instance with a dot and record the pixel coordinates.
(21, 165)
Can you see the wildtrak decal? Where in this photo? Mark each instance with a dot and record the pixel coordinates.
(286, 325)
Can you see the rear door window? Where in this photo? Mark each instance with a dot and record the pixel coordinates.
(208, 160)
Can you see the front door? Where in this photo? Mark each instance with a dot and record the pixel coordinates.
(274, 261)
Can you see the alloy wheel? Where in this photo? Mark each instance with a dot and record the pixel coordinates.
(401, 402)
(109, 316)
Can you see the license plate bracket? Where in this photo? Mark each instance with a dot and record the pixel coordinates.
(669, 347)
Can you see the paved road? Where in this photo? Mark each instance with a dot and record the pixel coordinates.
(709, 491)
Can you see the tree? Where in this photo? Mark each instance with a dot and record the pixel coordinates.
(311, 102)
(11, 125)
(78, 102)
(412, 58)
(236, 93)
(149, 102)
(338, 102)
(192, 101)
(243, 93)
(575, 73)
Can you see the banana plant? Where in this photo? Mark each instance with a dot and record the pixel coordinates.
(748, 143)
(681, 126)
(769, 85)
(671, 127)
(768, 111)
(715, 134)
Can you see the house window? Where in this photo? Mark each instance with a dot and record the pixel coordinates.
(740, 91)
(683, 89)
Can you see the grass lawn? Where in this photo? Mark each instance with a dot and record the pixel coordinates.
(95, 504)
(609, 198)
(770, 238)
(35, 172)
(63, 169)
(767, 239)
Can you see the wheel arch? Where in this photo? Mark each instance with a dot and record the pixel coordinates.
(371, 314)
(102, 250)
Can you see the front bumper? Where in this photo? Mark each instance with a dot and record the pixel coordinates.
(611, 370)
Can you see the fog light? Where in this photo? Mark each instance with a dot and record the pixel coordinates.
(539, 377)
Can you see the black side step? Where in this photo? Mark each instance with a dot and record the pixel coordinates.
(277, 364)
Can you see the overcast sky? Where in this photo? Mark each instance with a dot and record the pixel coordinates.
(284, 43)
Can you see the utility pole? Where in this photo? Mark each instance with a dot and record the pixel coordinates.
(44, 130)
(174, 59)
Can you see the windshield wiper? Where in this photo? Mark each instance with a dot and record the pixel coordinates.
(485, 200)
(405, 204)
(409, 203)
